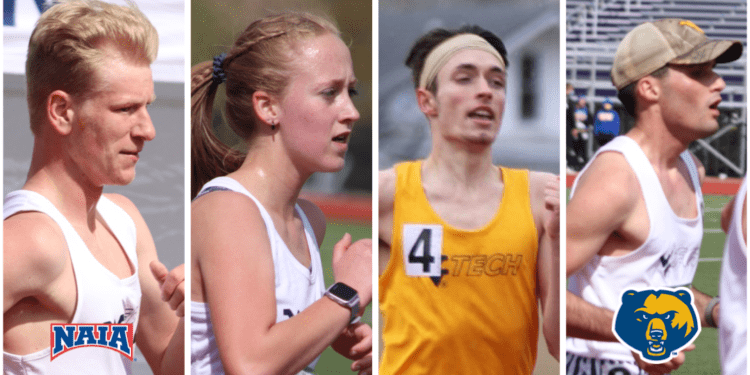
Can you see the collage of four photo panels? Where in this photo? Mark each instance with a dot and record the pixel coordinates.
(220, 173)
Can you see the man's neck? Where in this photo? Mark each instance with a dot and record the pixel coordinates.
(69, 192)
(661, 147)
(468, 165)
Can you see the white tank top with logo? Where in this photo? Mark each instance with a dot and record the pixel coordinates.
(297, 286)
(667, 258)
(733, 292)
(102, 297)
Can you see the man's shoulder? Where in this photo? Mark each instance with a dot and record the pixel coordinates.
(386, 188)
(143, 239)
(538, 177)
(124, 203)
(538, 182)
(32, 229)
(609, 176)
(33, 244)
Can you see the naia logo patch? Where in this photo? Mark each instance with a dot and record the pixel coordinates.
(657, 323)
(66, 337)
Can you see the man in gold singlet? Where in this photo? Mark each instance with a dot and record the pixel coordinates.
(467, 248)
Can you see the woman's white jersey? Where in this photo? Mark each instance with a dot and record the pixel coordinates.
(101, 296)
(668, 257)
(733, 292)
(297, 287)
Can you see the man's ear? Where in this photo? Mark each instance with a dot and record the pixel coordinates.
(649, 87)
(60, 111)
(266, 107)
(427, 102)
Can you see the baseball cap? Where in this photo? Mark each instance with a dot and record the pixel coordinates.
(651, 45)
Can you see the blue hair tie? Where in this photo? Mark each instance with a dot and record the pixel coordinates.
(219, 76)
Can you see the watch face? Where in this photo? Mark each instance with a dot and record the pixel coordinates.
(343, 291)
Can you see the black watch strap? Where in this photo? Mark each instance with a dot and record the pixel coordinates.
(345, 296)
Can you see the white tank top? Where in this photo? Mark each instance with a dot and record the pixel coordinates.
(733, 292)
(667, 258)
(102, 296)
(297, 287)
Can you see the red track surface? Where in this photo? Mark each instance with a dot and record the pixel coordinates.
(711, 185)
(343, 207)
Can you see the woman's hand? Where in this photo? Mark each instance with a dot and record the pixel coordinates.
(355, 343)
(352, 265)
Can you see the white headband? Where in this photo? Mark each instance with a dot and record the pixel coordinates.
(445, 50)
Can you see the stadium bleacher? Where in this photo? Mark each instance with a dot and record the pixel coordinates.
(595, 28)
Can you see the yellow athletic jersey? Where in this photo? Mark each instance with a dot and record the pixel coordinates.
(460, 301)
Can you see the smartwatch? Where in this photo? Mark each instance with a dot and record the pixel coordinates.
(345, 296)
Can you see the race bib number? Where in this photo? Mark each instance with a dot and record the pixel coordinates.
(422, 247)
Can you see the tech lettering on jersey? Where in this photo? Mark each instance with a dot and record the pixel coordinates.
(423, 257)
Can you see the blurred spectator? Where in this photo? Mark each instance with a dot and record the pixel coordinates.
(580, 131)
(570, 125)
(606, 123)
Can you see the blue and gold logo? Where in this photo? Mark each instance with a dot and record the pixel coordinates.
(657, 323)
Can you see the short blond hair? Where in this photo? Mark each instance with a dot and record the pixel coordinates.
(67, 43)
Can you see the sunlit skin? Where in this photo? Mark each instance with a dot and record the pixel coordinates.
(85, 141)
(672, 110)
(470, 98)
(691, 94)
(317, 113)
(301, 130)
(112, 124)
(461, 183)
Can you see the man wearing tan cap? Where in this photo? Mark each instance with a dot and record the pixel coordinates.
(635, 214)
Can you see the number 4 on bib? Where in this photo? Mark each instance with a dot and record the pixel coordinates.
(422, 246)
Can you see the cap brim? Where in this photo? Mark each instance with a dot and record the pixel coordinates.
(733, 53)
(723, 51)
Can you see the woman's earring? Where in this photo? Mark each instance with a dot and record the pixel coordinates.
(273, 125)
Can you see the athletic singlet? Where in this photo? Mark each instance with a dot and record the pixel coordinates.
(733, 292)
(460, 301)
(297, 287)
(667, 258)
(102, 297)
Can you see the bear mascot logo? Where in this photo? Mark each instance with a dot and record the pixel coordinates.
(657, 323)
